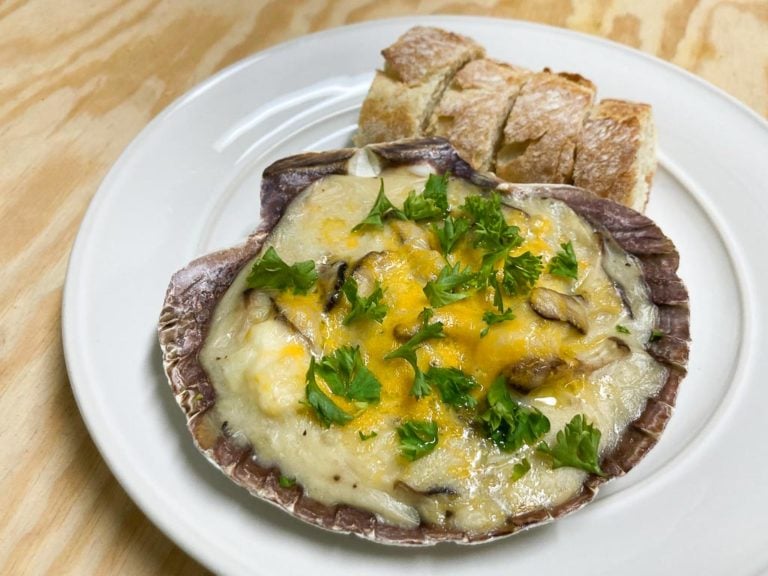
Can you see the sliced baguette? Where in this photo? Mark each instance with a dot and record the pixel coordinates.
(616, 152)
(543, 127)
(472, 111)
(418, 67)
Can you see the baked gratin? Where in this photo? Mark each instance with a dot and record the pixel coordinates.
(414, 352)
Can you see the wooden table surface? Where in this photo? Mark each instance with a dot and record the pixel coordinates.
(78, 80)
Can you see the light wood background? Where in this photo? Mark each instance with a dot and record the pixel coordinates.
(78, 80)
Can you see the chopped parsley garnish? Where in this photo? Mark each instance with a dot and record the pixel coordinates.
(452, 231)
(363, 436)
(564, 262)
(325, 408)
(520, 469)
(432, 203)
(443, 290)
(576, 446)
(417, 438)
(489, 227)
(453, 385)
(521, 272)
(508, 423)
(621, 329)
(417, 207)
(491, 318)
(382, 209)
(656, 335)
(370, 307)
(408, 351)
(436, 190)
(346, 375)
(270, 271)
(498, 298)
(286, 481)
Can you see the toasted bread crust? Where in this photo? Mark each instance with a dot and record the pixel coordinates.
(615, 153)
(472, 111)
(543, 127)
(424, 52)
(195, 290)
(551, 132)
(417, 69)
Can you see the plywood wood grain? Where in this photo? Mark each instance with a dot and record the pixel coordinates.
(78, 80)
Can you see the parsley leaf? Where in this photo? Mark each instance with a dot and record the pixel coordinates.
(489, 227)
(418, 207)
(498, 299)
(576, 446)
(407, 351)
(521, 272)
(432, 203)
(436, 190)
(417, 438)
(492, 318)
(621, 329)
(370, 307)
(363, 436)
(346, 375)
(454, 386)
(442, 290)
(508, 423)
(564, 262)
(420, 386)
(325, 409)
(382, 209)
(449, 235)
(656, 335)
(271, 271)
(520, 469)
(286, 481)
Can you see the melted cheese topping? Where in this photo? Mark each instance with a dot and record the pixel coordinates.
(259, 348)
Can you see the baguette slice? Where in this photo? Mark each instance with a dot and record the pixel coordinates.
(616, 152)
(542, 130)
(472, 111)
(417, 69)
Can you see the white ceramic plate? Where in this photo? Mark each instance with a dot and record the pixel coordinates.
(190, 184)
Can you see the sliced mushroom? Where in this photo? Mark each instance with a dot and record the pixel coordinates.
(553, 305)
(330, 280)
(606, 352)
(405, 331)
(428, 493)
(529, 373)
(306, 320)
(366, 272)
(411, 233)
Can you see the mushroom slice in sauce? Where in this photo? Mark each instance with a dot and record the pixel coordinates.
(531, 372)
(554, 305)
(606, 352)
(330, 280)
